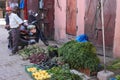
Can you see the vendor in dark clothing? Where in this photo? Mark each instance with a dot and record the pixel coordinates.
(31, 18)
(7, 19)
(7, 26)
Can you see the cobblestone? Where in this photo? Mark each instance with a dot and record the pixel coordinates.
(11, 67)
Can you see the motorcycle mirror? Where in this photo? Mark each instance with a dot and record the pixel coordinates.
(36, 14)
(25, 21)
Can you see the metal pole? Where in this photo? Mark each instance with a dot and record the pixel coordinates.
(103, 34)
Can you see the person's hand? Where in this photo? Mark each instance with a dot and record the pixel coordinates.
(7, 27)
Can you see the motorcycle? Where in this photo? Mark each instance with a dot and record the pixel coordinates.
(29, 34)
(39, 32)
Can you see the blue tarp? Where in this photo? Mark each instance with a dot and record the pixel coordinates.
(22, 4)
(82, 38)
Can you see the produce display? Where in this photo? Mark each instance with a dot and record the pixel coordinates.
(63, 73)
(48, 64)
(32, 69)
(41, 75)
(117, 77)
(52, 65)
(29, 50)
(79, 55)
(38, 74)
(52, 51)
(38, 58)
(115, 65)
(55, 73)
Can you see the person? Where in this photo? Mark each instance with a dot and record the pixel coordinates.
(7, 27)
(39, 32)
(15, 22)
(7, 19)
(31, 18)
(16, 10)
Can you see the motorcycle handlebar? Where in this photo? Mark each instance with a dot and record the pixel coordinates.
(35, 21)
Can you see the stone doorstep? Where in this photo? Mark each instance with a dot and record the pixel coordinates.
(102, 75)
(85, 77)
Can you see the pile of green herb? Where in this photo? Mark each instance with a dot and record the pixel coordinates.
(117, 77)
(62, 73)
(29, 50)
(79, 55)
(115, 65)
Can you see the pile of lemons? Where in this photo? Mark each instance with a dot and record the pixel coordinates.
(32, 69)
(39, 74)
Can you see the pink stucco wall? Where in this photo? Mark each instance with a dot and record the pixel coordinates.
(116, 48)
(60, 18)
(60, 23)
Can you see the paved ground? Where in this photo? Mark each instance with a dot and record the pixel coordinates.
(11, 67)
(2, 21)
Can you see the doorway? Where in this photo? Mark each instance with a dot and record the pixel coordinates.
(71, 17)
(93, 27)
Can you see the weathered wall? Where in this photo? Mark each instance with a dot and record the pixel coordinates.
(116, 49)
(32, 5)
(60, 20)
(1, 13)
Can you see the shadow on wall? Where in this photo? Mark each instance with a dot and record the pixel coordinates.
(57, 33)
(60, 35)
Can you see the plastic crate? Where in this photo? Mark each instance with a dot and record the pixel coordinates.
(112, 79)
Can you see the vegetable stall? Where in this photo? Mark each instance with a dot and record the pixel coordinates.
(55, 63)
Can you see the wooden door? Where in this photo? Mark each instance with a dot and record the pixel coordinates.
(32, 5)
(93, 21)
(49, 19)
(71, 17)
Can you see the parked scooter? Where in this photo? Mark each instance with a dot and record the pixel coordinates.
(27, 36)
(39, 33)
(30, 33)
